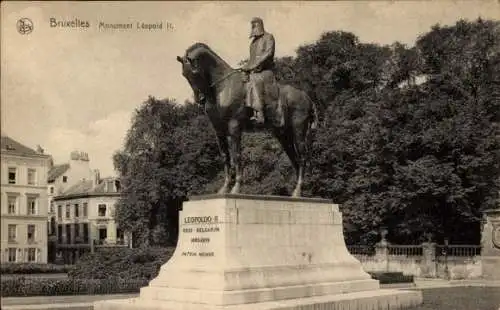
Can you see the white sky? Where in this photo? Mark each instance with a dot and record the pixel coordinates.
(68, 89)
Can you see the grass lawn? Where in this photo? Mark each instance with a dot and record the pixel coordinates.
(461, 298)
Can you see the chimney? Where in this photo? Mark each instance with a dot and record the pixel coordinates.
(39, 149)
(96, 178)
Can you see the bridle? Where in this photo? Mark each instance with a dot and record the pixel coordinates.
(225, 77)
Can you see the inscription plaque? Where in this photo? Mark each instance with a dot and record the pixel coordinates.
(199, 245)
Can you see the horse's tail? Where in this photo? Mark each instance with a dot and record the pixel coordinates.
(314, 123)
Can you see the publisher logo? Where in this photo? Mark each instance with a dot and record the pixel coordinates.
(24, 26)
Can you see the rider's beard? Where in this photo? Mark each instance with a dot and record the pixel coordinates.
(257, 31)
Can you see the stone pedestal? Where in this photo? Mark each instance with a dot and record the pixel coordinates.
(490, 242)
(261, 252)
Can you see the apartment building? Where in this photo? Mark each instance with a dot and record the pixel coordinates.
(63, 176)
(85, 217)
(24, 203)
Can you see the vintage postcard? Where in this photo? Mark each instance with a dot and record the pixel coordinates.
(267, 154)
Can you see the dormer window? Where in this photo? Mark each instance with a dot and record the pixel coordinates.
(110, 186)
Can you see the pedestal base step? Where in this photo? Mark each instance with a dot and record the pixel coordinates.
(384, 299)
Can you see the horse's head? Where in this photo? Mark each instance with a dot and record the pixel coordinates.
(200, 65)
(193, 75)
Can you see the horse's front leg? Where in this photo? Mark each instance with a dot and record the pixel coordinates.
(234, 128)
(297, 192)
(224, 150)
(301, 149)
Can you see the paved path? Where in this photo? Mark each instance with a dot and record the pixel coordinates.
(61, 299)
(85, 302)
(435, 283)
(75, 302)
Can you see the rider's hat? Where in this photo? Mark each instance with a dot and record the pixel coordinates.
(257, 20)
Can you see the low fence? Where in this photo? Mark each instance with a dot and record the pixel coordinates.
(424, 260)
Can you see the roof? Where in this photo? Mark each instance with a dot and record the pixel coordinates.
(56, 171)
(85, 188)
(82, 187)
(11, 147)
(103, 187)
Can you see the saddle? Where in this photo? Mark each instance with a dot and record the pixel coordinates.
(274, 102)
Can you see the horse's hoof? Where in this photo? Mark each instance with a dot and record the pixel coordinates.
(235, 190)
(222, 191)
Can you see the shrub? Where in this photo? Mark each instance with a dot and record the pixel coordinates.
(123, 263)
(22, 287)
(391, 277)
(32, 268)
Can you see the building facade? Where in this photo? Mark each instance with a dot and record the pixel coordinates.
(84, 217)
(63, 176)
(24, 204)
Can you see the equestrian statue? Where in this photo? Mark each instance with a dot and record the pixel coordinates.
(250, 97)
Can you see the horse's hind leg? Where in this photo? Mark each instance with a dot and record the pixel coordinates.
(285, 137)
(286, 140)
(224, 150)
(300, 145)
(234, 129)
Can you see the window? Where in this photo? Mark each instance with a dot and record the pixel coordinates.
(12, 232)
(59, 233)
(52, 189)
(59, 212)
(65, 179)
(31, 176)
(31, 255)
(77, 210)
(102, 210)
(12, 204)
(68, 233)
(12, 175)
(85, 232)
(120, 236)
(51, 208)
(12, 255)
(103, 234)
(67, 211)
(31, 233)
(52, 226)
(77, 230)
(85, 205)
(110, 186)
(32, 202)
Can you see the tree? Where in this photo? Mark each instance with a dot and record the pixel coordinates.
(168, 155)
(417, 159)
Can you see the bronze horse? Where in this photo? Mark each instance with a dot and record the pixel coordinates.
(225, 90)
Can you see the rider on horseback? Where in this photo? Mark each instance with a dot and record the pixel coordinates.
(260, 68)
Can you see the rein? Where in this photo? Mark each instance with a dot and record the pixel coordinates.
(225, 77)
